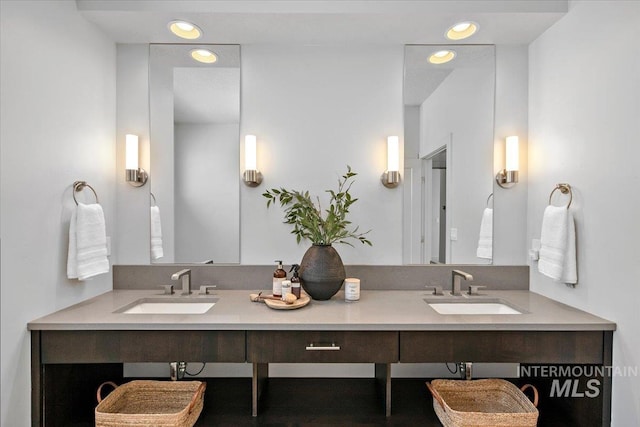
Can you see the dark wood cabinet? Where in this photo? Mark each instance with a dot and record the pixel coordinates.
(61, 360)
(378, 347)
(141, 346)
(67, 365)
(502, 346)
(545, 349)
(322, 347)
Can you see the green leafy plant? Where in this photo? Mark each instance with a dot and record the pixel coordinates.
(307, 217)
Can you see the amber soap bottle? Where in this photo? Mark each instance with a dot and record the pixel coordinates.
(278, 277)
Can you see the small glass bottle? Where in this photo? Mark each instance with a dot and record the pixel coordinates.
(295, 280)
(278, 276)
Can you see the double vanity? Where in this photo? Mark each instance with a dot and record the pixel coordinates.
(384, 327)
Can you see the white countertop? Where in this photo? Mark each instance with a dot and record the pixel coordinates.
(375, 311)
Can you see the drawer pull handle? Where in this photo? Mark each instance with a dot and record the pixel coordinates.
(332, 347)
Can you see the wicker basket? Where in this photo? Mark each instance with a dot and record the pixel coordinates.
(151, 403)
(477, 403)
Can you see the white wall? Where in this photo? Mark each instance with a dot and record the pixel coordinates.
(207, 225)
(132, 239)
(57, 80)
(316, 109)
(584, 106)
(510, 205)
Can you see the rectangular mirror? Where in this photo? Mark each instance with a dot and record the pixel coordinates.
(449, 122)
(194, 110)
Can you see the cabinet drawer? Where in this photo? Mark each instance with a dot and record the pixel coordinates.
(322, 347)
(142, 346)
(502, 346)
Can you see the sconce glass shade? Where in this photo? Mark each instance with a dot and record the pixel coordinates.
(513, 160)
(251, 176)
(131, 160)
(508, 176)
(391, 177)
(393, 154)
(134, 175)
(250, 152)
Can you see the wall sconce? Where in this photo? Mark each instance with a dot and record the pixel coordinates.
(391, 177)
(134, 175)
(251, 176)
(508, 176)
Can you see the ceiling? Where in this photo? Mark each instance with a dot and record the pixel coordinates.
(324, 22)
(319, 22)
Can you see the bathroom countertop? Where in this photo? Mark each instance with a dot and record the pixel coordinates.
(375, 311)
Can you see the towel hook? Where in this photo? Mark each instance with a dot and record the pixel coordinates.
(155, 203)
(564, 189)
(79, 186)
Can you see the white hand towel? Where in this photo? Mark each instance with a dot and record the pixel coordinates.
(570, 265)
(156, 233)
(485, 241)
(557, 245)
(72, 262)
(87, 243)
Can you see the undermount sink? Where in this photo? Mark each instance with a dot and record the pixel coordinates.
(177, 305)
(464, 305)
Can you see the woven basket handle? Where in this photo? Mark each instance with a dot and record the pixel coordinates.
(535, 393)
(435, 394)
(99, 392)
(197, 395)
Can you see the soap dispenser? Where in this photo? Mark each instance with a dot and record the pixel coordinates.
(295, 280)
(278, 277)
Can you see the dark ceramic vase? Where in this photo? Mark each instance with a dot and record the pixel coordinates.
(321, 272)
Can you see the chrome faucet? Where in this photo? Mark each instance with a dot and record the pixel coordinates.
(456, 276)
(185, 276)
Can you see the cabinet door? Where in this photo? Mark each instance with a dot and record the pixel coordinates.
(322, 347)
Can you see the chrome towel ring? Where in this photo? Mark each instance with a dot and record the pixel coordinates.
(564, 189)
(79, 186)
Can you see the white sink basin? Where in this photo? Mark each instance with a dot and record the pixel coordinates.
(169, 306)
(473, 306)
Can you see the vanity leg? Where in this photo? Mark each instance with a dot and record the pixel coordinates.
(606, 380)
(383, 380)
(36, 381)
(258, 383)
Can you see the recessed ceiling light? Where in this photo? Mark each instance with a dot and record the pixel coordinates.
(204, 55)
(462, 30)
(442, 56)
(185, 30)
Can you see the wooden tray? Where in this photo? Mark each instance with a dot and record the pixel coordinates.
(281, 305)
